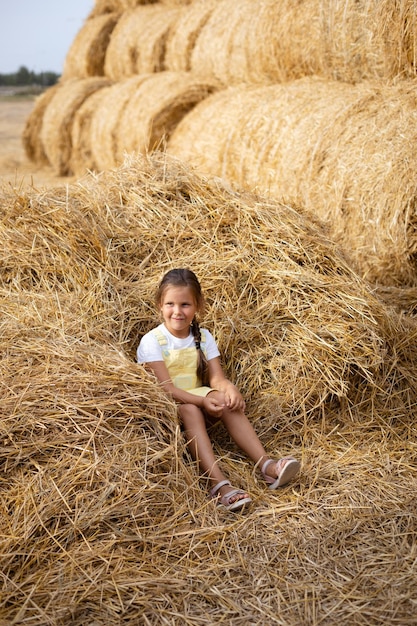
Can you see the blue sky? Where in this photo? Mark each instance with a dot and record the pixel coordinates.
(39, 33)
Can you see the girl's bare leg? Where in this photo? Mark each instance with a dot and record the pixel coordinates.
(243, 434)
(200, 446)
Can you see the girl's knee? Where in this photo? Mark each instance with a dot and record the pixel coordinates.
(218, 395)
(190, 411)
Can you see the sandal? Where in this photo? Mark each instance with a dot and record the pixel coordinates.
(287, 468)
(225, 501)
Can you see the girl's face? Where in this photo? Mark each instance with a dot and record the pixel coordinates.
(178, 308)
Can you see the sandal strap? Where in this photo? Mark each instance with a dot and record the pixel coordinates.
(232, 494)
(267, 478)
(217, 487)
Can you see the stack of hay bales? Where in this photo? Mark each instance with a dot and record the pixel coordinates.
(315, 107)
(104, 519)
(119, 41)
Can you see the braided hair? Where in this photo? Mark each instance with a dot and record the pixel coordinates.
(187, 278)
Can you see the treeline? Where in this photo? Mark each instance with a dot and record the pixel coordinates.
(24, 77)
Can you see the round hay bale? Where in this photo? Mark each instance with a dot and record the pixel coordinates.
(105, 121)
(32, 131)
(345, 153)
(272, 42)
(182, 39)
(59, 117)
(88, 50)
(137, 44)
(155, 109)
(82, 158)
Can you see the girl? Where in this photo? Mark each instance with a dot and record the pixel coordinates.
(185, 360)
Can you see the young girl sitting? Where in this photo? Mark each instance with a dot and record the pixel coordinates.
(185, 359)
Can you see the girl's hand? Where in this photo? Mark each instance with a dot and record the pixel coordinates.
(234, 399)
(212, 406)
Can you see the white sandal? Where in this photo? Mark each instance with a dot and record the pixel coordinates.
(287, 468)
(224, 501)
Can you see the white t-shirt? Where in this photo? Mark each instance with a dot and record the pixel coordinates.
(150, 350)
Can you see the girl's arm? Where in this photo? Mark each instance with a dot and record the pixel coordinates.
(180, 395)
(218, 380)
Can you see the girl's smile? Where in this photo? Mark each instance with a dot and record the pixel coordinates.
(178, 308)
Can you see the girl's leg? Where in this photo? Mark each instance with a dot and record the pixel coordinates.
(200, 446)
(243, 434)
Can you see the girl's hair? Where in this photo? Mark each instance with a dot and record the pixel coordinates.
(187, 278)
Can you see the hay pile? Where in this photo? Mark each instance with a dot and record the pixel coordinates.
(103, 517)
(344, 153)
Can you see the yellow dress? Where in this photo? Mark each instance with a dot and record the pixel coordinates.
(182, 366)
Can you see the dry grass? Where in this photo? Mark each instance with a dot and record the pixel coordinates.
(345, 153)
(88, 50)
(103, 518)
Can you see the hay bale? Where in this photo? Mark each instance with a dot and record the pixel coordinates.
(97, 487)
(59, 117)
(88, 50)
(105, 121)
(31, 135)
(346, 153)
(182, 39)
(82, 158)
(275, 42)
(137, 44)
(154, 110)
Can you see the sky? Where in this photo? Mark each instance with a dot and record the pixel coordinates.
(39, 33)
